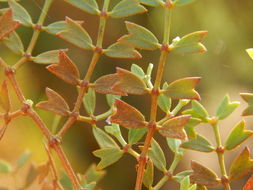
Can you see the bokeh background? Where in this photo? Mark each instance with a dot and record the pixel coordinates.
(225, 69)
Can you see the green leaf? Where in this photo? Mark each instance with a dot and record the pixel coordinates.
(199, 143)
(89, 6)
(23, 159)
(128, 116)
(137, 70)
(94, 175)
(65, 181)
(76, 34)
(48, 57)
(237, 136)
(182, 2)
(89, 101)
(113, 129)
(129, 83)
(185, 183)
(148, 177)
(174, 145)
(5, 97)
(180, 176)
(189, 127)
(183, 89)
(5, 167)
(226, 108)
(157, 156)
(108, 156)
(140, 37)
(250, 52)
(20, 14)
(7, 24)
(164, 103)
(110, 98)
(189, 43)
(197, 111)
(202, 175)
(56, 27)
(127, 8)
(134, 135)
(153, 3)
(241, 166)
(122, 50)
(103, 139)
(248, 97)
(174, 128)
(14, 43)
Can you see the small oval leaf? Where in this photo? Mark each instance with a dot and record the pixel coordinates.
(198, 144)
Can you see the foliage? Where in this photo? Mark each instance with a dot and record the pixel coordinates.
(177, 127)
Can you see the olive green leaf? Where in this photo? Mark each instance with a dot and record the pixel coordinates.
(89, 6)
(181, 175)
(7, 24)
(248, 97)
(226, 108)
(89, 101)
(113, 129)
(140, 37)
(182, 2)
(23, 159)
(48, 57)
(127, 8)
(56, 27)
(55, 103)
(110, 98)
(241, 166)
(127, 116)
(185, 184)
(108, 156)
(148, 177)
(137, 70)
(237, 136)
(156, 154)
(76, 34)
(189, 127)
(183, 89)
(174, 145)
(92, 174)
(14, 43)
(250, 52)
(103, 139)
(129, 83)
(65, 181)
(152, 3)
(122, 50)
(202, 175)
(174, 128)
(189, 43)
(5, 167)
(134, 135)
(164, 102)
(199, 143)
(20, 14)
(65, 69)
(5, 97)
(197, 111)
(105, 83)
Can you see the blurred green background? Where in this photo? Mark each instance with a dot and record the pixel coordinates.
(225, 68)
